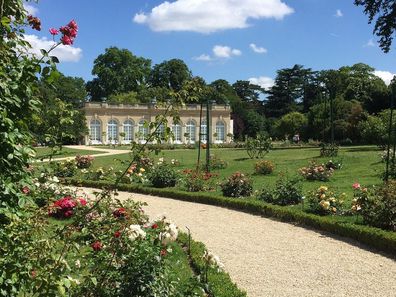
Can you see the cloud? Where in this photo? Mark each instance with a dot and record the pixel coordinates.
(370, 43)
(339, 14)
(386, 76)
(221, 51)
(65, 53)
(207, 16)
(32, 10)
(258, 49)
(263, 81)
(203, 57)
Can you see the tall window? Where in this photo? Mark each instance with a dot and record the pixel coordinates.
(143, 130)
(177, 132)
(190, 130)
(161, 132)
(203, 131)
(220, 131)
(112, 131)
(94, 129)
(128, 130)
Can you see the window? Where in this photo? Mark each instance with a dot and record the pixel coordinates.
(161, 132)
(143, 130)
(94, 128)
(220, 131)
(203, 130)
(128, 130)
(177, 130)
(190, 131)
(112, 131)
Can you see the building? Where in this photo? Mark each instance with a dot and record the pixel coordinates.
(121, 123)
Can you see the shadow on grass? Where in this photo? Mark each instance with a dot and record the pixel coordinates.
(243, 159)
(362, 149)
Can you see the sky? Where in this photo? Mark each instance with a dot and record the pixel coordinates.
(217, 39)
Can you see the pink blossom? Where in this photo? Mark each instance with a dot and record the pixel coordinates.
(54, 31)
(66, 40)
(356, 186)
(73, 25)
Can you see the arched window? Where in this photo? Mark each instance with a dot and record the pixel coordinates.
(190, 131)
(203, 131)
(220, 131)
(128, 130)
(143, 130)
(112, 131)
(177, 132)
(94, 129)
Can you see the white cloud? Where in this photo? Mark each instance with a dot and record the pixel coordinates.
(258, 49)
(370, 43)
(207, 16)
(32, 10)
(203, 57)
(386, 76)
(263, 81)
(65, 53)
(221, 51)
(339, 14)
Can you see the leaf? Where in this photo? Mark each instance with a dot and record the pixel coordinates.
(94, 280)
(44, 52)
(54, 59)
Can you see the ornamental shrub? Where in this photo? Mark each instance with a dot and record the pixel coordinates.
(264, 167)
(237, 185)
(194, 181)
(66, 168)
(316, 172)
(377, 205)
(287, 191)
(215, 163)
(325, 202)
(84, 161)
(162, 175)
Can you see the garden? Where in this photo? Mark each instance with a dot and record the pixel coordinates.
(56, 240)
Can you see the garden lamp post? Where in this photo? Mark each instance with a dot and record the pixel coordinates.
(208, 137)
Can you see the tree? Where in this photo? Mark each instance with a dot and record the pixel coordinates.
(383, 12)
(118, 71)
(291, 124)
(170, 74)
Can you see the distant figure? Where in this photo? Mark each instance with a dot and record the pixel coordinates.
(296, 138)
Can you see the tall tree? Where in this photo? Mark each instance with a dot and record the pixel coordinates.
(383, 12)
(171, 74)
(118, 71)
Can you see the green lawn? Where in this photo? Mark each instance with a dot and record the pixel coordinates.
(44, 152)
(360, 164)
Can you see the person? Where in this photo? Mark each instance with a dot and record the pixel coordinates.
(296, 138)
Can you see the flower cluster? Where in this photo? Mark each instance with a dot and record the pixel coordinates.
(69, 32)
(237, 185)
(194, 181)
(84, 161)
(169, 231)
(34, 22)
(135, 232)
(264, 167)
(324, 202)
(316, 172)
(212, 260)
(64, 208)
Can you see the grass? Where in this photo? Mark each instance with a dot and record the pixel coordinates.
(44, 152)
(360, 164)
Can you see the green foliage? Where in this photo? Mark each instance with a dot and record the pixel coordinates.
(237, 185)
(258, 147)
(378, 205)
(325, 202)
(170, 74)
(291, 124)
(264, 167)
(194, 181)
(124, 98)
(328, 150)
(216, 163)
(316, 172)
(287, 191)
(162, 176)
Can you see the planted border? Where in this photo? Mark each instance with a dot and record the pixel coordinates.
(373, 237)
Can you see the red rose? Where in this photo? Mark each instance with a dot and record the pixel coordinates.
(73, 25)
(96, 246)
(53, 31)
(117, 234)
(25, 190)
(154, 226)
(82, 201)
(66, 40)
(163, 253)
(34, 22)
(68, 213)
(120, 213)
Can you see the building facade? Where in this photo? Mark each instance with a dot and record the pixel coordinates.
(121, 123)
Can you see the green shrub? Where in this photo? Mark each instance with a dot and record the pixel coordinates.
(324, 202)
(328, 150)
(316, 172)
(264, 167)
(84, 161)
(215, 163)
(194, 181)
(66, 168)
(162, 176)
(287, 191)
(378, 206)
(237, 185)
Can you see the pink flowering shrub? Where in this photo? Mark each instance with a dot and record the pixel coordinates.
(84, 161)
(65, 207)
(237, 185)
(316, 172)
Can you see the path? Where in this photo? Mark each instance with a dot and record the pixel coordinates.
(271, 258)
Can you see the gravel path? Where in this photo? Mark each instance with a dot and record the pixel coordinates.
(271, 258)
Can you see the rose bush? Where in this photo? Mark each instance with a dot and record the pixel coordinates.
(237, 185)
(323, 201)
(316, 172)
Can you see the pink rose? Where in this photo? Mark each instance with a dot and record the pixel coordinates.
(356, 186)
(54, 31)
(73, 25)
(66, 40)
(25, 190)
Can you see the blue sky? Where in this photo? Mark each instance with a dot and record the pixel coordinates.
(228, 39)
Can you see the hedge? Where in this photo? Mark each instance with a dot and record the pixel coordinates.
(219, 282)
(373, 237)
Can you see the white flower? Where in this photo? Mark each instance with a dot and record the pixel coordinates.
(135, 232)
(77, 263)
(213, 260)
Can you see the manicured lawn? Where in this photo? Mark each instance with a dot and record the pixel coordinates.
(44, 152)
(360, 164)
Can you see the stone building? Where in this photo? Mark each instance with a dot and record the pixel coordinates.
(107, 121)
